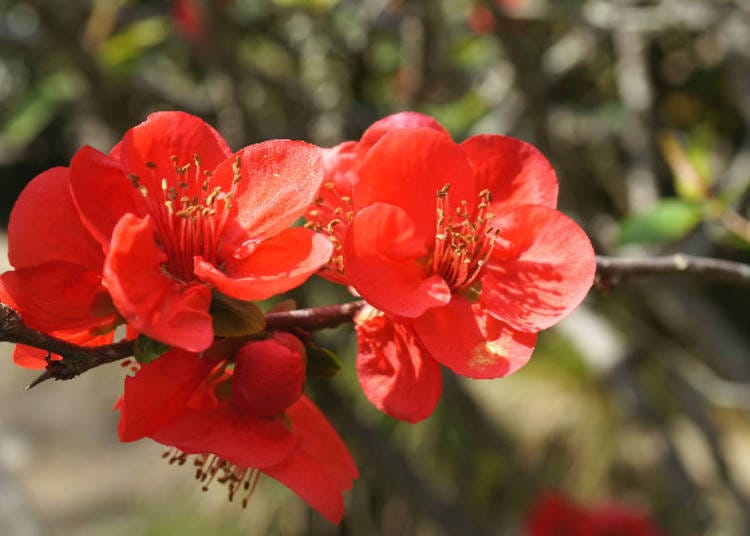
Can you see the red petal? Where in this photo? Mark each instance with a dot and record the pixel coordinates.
(321, 468)
(159, 392)
(383, 256)
(31, 358)
(340, 164)
(34, 358)
(407, 167)
(551, 273)
(45, 226)
(514, 171)
(243, 440)
(276, 265)
(269, 375)
(157, 305)
(332, 207)
(471, 343)
(59, 296)
(279, 180)
(396, 373)
(165, 135)
(394, 122)
(322, 442)
(102, 192)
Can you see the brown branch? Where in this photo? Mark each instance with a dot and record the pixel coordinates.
(315, 318)
(78, 359)
(610, 270)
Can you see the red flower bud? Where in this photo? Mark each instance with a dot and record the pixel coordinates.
(269, 375)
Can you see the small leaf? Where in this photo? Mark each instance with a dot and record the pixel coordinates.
(148, 349)
(689, 183)
(669, 220)
(321, 362)
(235, 318)
(284, 306)
(133, 41)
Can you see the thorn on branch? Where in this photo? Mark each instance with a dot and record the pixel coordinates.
(44, 376)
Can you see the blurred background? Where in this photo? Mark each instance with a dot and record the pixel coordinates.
(641, 397)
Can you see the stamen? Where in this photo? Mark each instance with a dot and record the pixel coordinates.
(188, 213)
(210, 468)
(463, 240)
(331, 216)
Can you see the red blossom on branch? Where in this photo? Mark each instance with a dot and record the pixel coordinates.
(236, 413)
(459, 246)
(149, 231)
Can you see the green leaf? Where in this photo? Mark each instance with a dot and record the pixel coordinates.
(321, 361)
(235, 318)
(284, 306)
(670, 219)
(148, 349)
(689, 182)
(459, 115)
(133, 41)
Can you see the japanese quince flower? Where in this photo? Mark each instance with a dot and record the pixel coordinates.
(56, 284)
(149, 231)
(458, 248)
(241, 417)
(555, 514)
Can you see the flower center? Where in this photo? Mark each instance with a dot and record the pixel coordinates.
(188, 210)
(211, 468)
(331, 216)
(464, 239)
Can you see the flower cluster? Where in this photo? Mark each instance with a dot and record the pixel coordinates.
(168, 233)
(457, 250)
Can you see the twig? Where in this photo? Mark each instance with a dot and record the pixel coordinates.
(78, 359)
(315, 318)
(611, 270)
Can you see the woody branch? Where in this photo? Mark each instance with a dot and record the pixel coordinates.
(78, 359)
(610, 271)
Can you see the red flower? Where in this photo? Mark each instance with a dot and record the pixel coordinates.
(239, 419)
(189, 18)
(555, 515)
(56, 284)
(458, 245)
(169, 216)
(333, 210)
